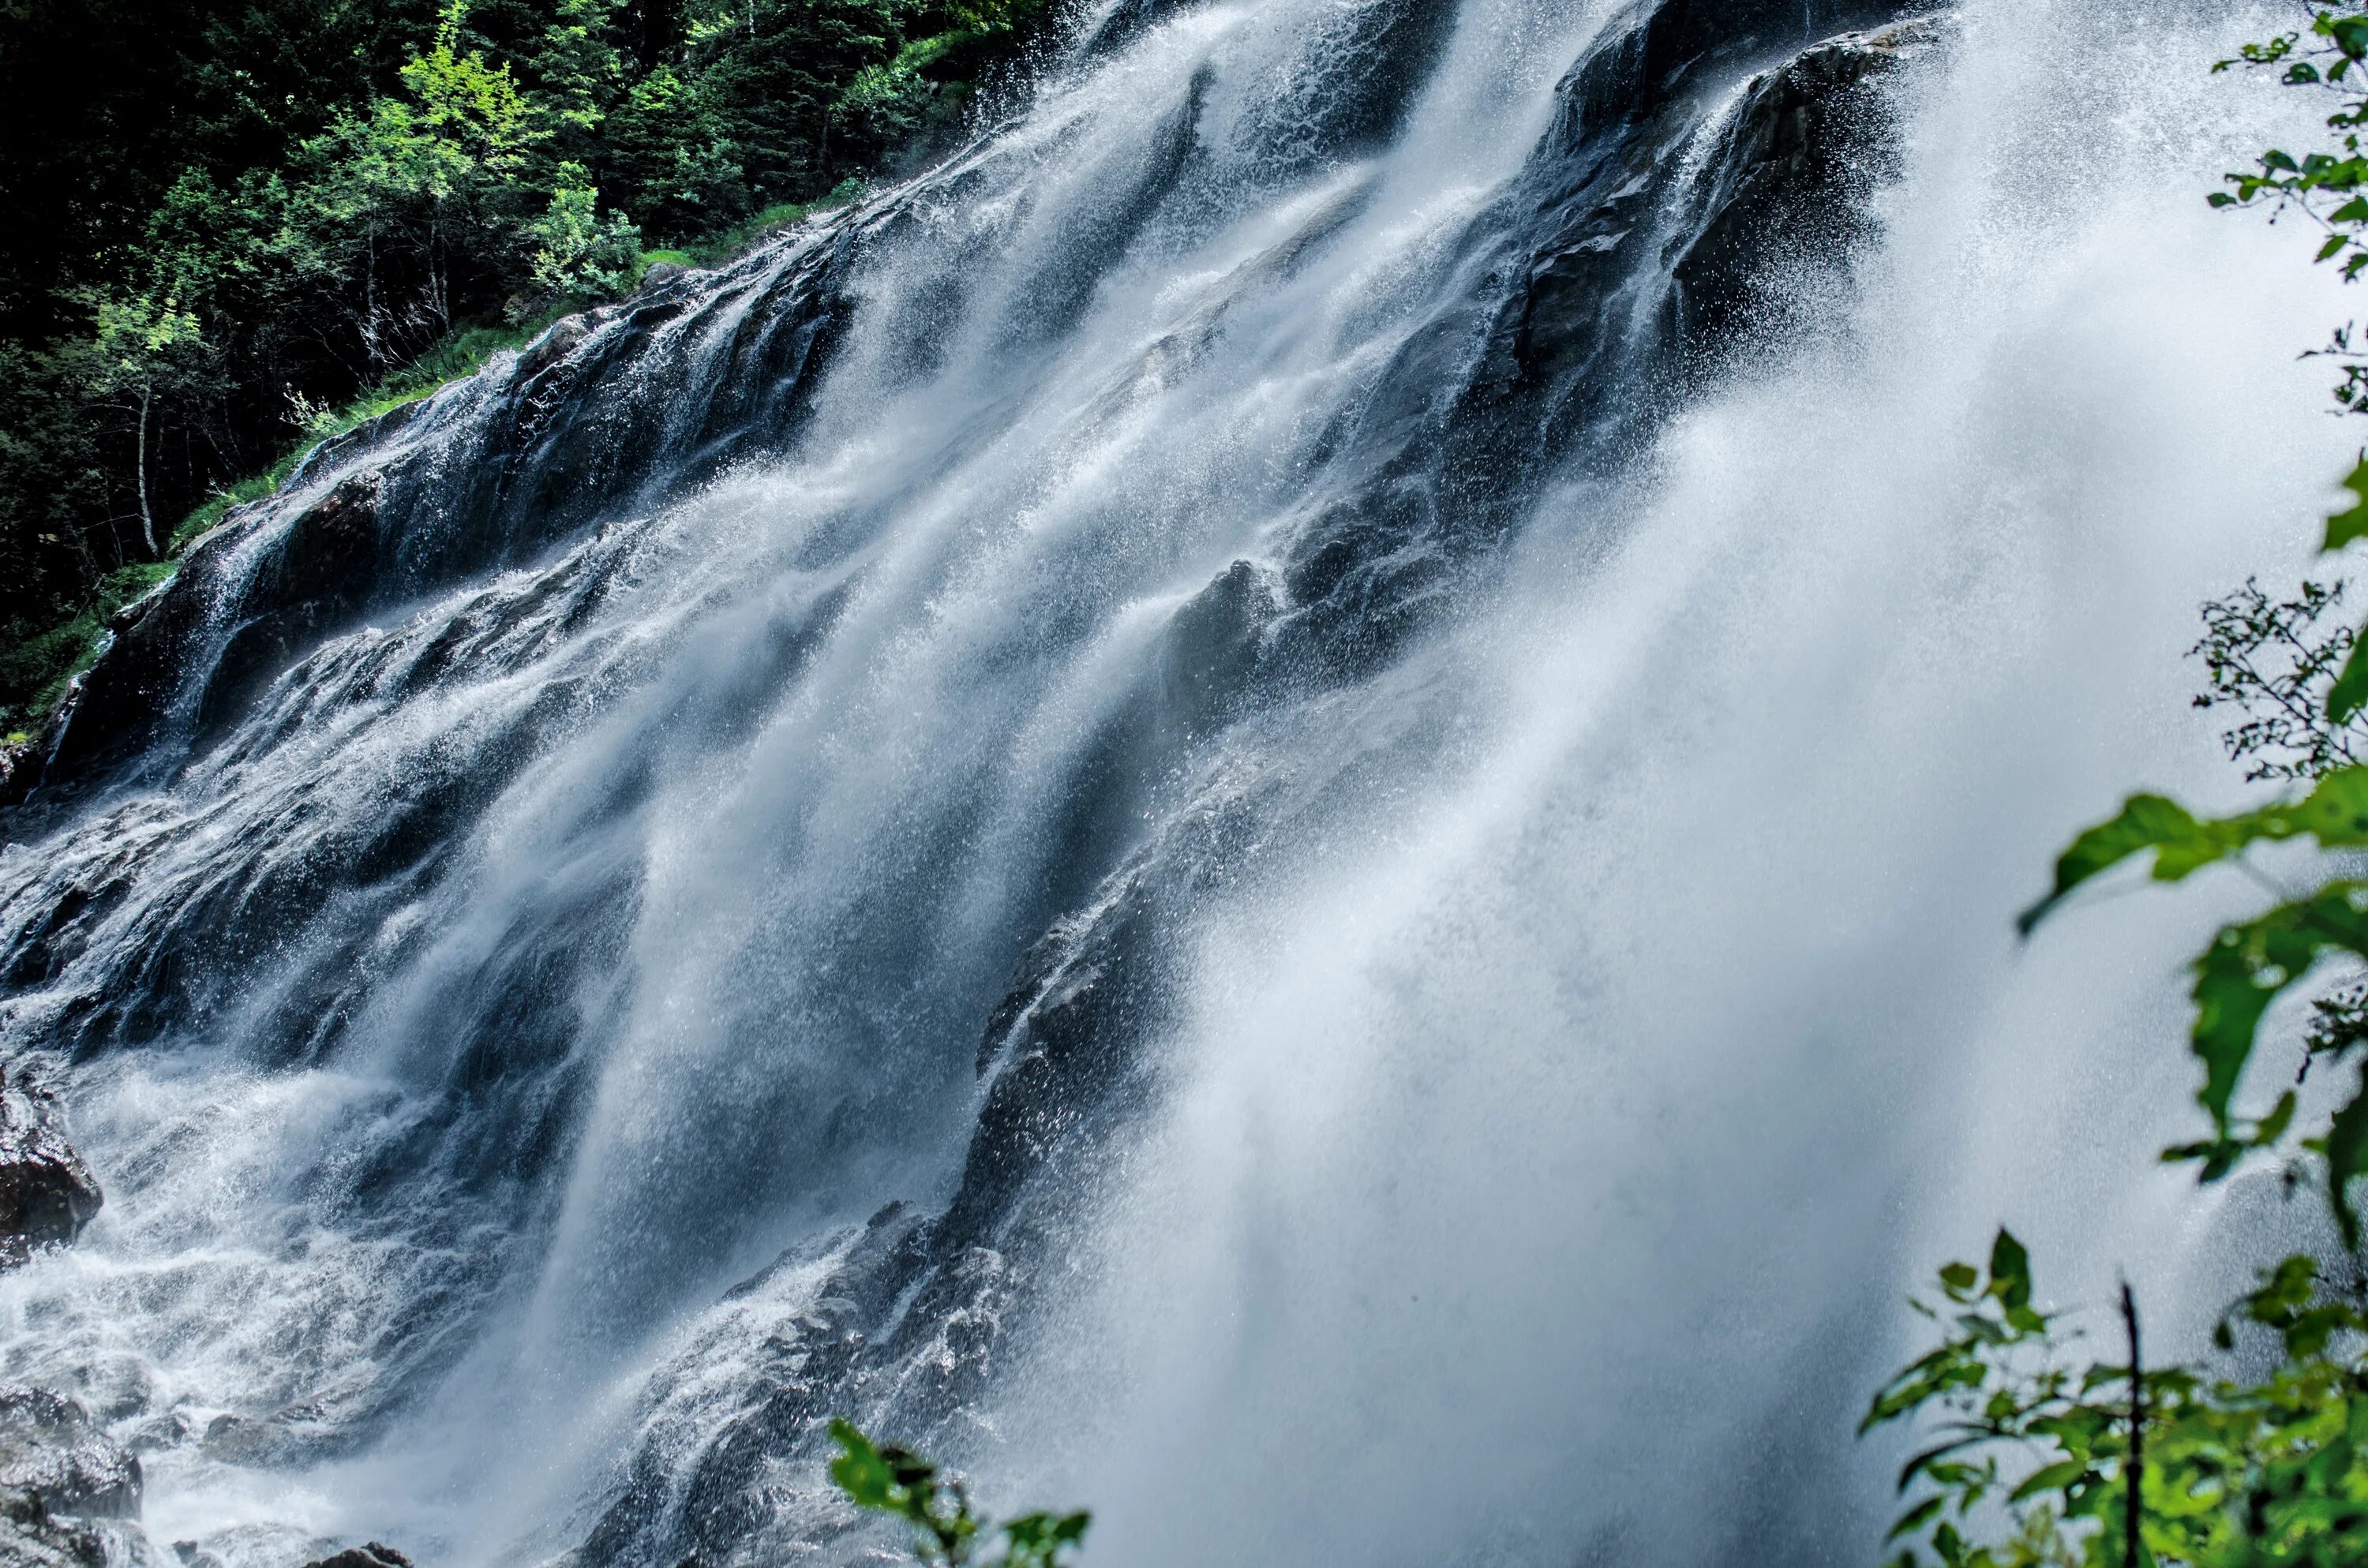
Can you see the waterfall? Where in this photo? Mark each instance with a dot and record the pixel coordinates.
(1289, 804)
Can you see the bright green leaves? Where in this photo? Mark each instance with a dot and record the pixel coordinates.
(1998, 1313)
(2335, 812)
(2146, 822)
(2251, 963)
(2349, 34)
(2032, 1461)
(2248, 966)
(2035, 1447)
(865, 1474)
(1987, 1405)
(577, 249)
(2322, 184)
(888, 1479)
(2352, 523)
(1037, 1541)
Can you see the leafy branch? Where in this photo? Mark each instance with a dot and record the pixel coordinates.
(886, 1479)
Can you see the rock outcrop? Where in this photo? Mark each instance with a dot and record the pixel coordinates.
(50, 1448)
(32, 1536)
(371, 1554)
(47, 1194)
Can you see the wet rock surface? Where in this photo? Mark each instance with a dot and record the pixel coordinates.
(371, 1555)
(33, 1537)
(47, 1193)
(50, 1448)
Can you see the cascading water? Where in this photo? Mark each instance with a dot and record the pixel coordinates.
(1289, 804)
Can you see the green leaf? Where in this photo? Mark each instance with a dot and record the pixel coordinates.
(2146, 822)
(2347, 1157)
(2350, 523)
(1916, 1518)
(2350, 691)
(2250, 965)
(2049, 1478)
(2009, 1271)
(1958, 1277)
(1916, 1466)
(861, 1471)
(2335, 813)
(2273, 1127)
(1036, 1540)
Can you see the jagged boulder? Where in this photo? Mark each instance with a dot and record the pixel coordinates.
(50, 1448)
(368, 1555)
(31, 1537)
(47, 1194)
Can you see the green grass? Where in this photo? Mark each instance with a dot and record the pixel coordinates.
(741, 237)
(462, 353)
(42, 664)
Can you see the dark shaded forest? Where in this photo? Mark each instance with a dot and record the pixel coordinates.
(229, 228)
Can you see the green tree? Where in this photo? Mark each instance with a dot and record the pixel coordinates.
(143, 342)
(577, 251)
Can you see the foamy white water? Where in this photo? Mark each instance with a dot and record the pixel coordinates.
(1577, 1016)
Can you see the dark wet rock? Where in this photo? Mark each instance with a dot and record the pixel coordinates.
(1643, 232)
(1607, 288)
(47, 1194)
(287, 1437)
(1215, 645)
(1807, 140)
(660, 274)
(33, 1537)
(370, 1555)
(50, 1447)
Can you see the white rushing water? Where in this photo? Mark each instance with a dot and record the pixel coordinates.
(1601, 1009)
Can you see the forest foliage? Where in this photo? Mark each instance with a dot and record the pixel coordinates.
(228, 227)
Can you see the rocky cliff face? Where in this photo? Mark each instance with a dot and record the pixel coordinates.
(1698, 147)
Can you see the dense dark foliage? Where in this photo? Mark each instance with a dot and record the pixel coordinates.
(222, 222)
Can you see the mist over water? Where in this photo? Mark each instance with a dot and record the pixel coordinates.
(1577, 1023)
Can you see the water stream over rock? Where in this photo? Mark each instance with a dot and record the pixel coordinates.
(1289, 803)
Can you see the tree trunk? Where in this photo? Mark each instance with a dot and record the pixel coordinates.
(2133, 1507)
(147, 517)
